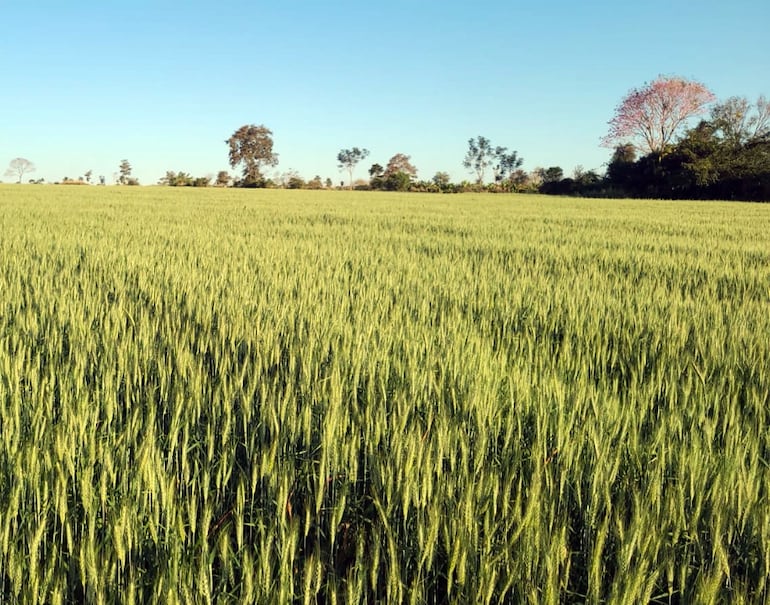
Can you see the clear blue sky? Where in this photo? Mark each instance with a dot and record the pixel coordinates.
(85, 84)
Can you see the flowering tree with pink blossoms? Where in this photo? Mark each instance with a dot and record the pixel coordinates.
(653, 113)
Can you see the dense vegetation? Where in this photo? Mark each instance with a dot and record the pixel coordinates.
(319, 397)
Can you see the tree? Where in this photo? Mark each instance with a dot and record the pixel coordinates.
(400, 163)
(479, 157)
(739, 122)
(377, 176)
(177, 179)
(291, 179)
(169, 179)
(550, 175)
(620, 170)
(295, 182)
(88, 175)
(719, 161)
(223, 179)
(252, 146)
(441, 179)
(505, 163)
(348, 158)
(655, 112)
(521, 181)
(315, 183)
(125, 172)
(18, 167)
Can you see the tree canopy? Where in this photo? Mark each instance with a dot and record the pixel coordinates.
(252, 147)
(348, 159)
(650, 116)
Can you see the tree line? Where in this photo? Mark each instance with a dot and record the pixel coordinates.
(657, 152)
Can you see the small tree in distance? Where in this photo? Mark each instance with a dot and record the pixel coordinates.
(223, 179)
(348, 158)
(441, 179)
(125, 173)
(315, 182)
(481, 156)
(18, 167)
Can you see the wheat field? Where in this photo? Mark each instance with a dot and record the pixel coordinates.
(230, 396)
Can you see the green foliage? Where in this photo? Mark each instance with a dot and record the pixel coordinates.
(251, 147)
(223, 179)
(125, 170)
(347, 159)
(381, 398)
(481, 156)
(398, 181)
(295, 182)
(725, 157)
(441, 179)
(182, 179)
(315, 183)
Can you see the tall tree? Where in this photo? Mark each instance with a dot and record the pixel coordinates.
(125, 172)
(348, 158)
(252, 146)
(654, 113)
(479, 157)
(18, 167)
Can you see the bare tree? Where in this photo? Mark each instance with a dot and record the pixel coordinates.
(18, 167)
(740, 122)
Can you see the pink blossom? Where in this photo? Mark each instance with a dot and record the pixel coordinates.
(653, 114)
